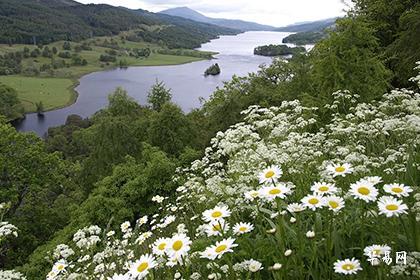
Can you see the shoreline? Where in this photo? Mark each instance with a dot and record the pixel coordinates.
(74, 94)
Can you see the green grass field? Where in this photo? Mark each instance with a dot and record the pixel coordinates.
(52, 92)
(58, 91)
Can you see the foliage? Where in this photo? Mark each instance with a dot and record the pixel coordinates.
(159, 95)
(10, 106)
(348, 60)
(304, 38)
(37, 185)
(277, 50)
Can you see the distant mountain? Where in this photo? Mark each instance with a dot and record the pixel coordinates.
(45, 21)
(188, 13)
(314, 26)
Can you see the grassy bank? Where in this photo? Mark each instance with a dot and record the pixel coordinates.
(54, 86)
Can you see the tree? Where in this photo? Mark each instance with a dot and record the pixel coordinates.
(66, 46)
(170, 130)
(36, 183)
(10, 106)
(158, 95)
(348, 60)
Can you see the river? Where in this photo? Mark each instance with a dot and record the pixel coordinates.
(186, 81)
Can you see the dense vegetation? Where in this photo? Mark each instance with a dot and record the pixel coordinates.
(213, 70)
(328, 108)
(304, 38)
(10, 106)
(277, 50)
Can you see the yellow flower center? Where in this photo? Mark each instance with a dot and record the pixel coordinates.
(348, 266)
(177, 245)
(242, 229)
(274, 191)
(364, 190)
(221, 248)
(391, 207)
(397, 190)
(340, 169)
(142, 267)
(216, 214)
(60, 267)
(333, 204)
(269, 174)
(323, 188)
(313, 201)
(377, 252)
(254, 194)
(162, 246)
(217, 227)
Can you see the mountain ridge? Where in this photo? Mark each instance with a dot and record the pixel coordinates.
(242, 25)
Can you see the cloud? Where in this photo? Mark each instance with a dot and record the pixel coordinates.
(273, 12)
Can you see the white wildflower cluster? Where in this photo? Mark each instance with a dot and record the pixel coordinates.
(411, 268)
(7, 229)
(87, 237)
(11, 275)
(62, 251)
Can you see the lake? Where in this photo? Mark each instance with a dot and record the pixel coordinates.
(186, 81)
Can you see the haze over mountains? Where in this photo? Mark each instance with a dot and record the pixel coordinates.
(242, 25)
(191, 14)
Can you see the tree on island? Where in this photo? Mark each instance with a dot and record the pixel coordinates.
(213, 70)
(39, 108)
(277, 50)
(159, 95)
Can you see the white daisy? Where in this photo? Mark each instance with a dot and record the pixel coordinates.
(339, 169)
(295, 207)
(323, 188)
(140, 268)
(216, 228)
(218, 250)
(217, 213)
(363, 190)
(251, 195)
(334, 203)
(390, 206)
(272, 192)
(270, 174)
(160, 245)
(59, 266)
(178, 246)
(376, 250)
(373, 179)
(254, 266)
(241, 228)
(399, 190)
(312, 201)
(347, 266)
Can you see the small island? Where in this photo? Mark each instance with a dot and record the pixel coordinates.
(213, 70)
(278, 50)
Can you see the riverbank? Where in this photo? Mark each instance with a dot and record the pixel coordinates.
(55, 86)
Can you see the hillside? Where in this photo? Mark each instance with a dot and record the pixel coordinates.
(188, 13)
(314, 26)
(45, 21)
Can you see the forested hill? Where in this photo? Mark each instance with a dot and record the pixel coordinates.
(314, 26)
(53, 20)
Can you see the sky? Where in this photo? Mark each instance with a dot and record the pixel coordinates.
(272, 12)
